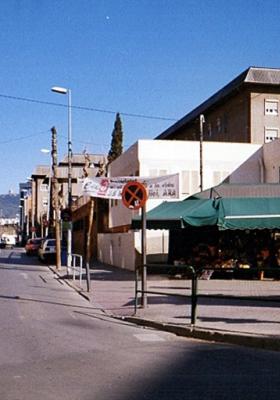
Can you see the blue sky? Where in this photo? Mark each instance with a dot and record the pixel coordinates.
(149, 57)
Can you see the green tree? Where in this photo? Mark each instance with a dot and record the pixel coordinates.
(117, 140)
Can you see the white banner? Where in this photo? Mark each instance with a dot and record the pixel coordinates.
(161, 187)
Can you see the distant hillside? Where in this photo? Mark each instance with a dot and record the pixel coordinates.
(9, 204)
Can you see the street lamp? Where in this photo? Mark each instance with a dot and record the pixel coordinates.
(61, 90)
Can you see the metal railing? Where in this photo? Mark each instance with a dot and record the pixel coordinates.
(186, 268)
(77, 265)
(193, 274)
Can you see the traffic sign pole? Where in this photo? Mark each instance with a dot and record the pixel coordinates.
(134, 196)
(144, 256)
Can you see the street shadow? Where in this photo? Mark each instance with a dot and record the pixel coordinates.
(193, 370)
(209, 301)
(55, 303)
(17, 257)
(171, 287)
(235, 320)
(16, 267)
(101, 275)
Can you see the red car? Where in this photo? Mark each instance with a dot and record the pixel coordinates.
(32, 246)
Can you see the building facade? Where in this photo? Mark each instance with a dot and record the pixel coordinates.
(40, 211)
(246, 110)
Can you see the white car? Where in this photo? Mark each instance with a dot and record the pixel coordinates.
(8, 240)
(47, 250)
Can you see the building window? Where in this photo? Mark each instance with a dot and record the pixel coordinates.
(271, 107)
(270, 134)
(45, 202)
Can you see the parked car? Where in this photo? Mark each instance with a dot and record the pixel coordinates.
(32, 246)
(8, 240)
(47, 250)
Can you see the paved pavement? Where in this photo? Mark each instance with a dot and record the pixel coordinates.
(251, 318)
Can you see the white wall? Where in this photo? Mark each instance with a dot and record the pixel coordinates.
(171, 156)
(117, 249)
(125, 165)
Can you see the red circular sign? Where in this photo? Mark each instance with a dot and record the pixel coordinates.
(134, 195)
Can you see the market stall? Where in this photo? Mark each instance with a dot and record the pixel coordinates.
(237, 234)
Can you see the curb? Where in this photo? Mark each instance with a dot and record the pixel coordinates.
(72, 285)
(256, 341)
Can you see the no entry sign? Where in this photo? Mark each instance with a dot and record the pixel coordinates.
(134, 195)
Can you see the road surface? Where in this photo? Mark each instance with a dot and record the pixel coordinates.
(55, 345)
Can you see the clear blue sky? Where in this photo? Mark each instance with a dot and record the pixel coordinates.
(150, 57)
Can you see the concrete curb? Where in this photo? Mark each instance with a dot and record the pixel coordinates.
(210, 335)
(256, 341)
(69, 283)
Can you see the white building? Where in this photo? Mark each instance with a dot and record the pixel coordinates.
(235, 162)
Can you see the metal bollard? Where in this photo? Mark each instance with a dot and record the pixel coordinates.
(194, 297)
(136, 289)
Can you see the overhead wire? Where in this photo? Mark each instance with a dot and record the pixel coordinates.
(23, 137)
(50, 103)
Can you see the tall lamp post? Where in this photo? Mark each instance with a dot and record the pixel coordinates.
(61, 90)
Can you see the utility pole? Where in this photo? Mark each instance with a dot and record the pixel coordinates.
(70, 157)
(55, 198)
(89, 236)
(201, 122)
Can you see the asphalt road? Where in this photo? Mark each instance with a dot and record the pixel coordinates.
(55, 345)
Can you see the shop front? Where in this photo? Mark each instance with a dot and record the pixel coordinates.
(227, 237)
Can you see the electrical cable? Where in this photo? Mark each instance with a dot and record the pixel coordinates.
(23, 137)
(49, 103)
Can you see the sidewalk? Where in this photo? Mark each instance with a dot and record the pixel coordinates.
(246, 321)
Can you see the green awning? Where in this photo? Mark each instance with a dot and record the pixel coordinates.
(180, 214)
(226, 213)
(249, 213)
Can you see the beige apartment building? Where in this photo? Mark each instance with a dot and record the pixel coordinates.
(246, 110)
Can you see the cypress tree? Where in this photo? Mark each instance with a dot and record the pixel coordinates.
(117, 140)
